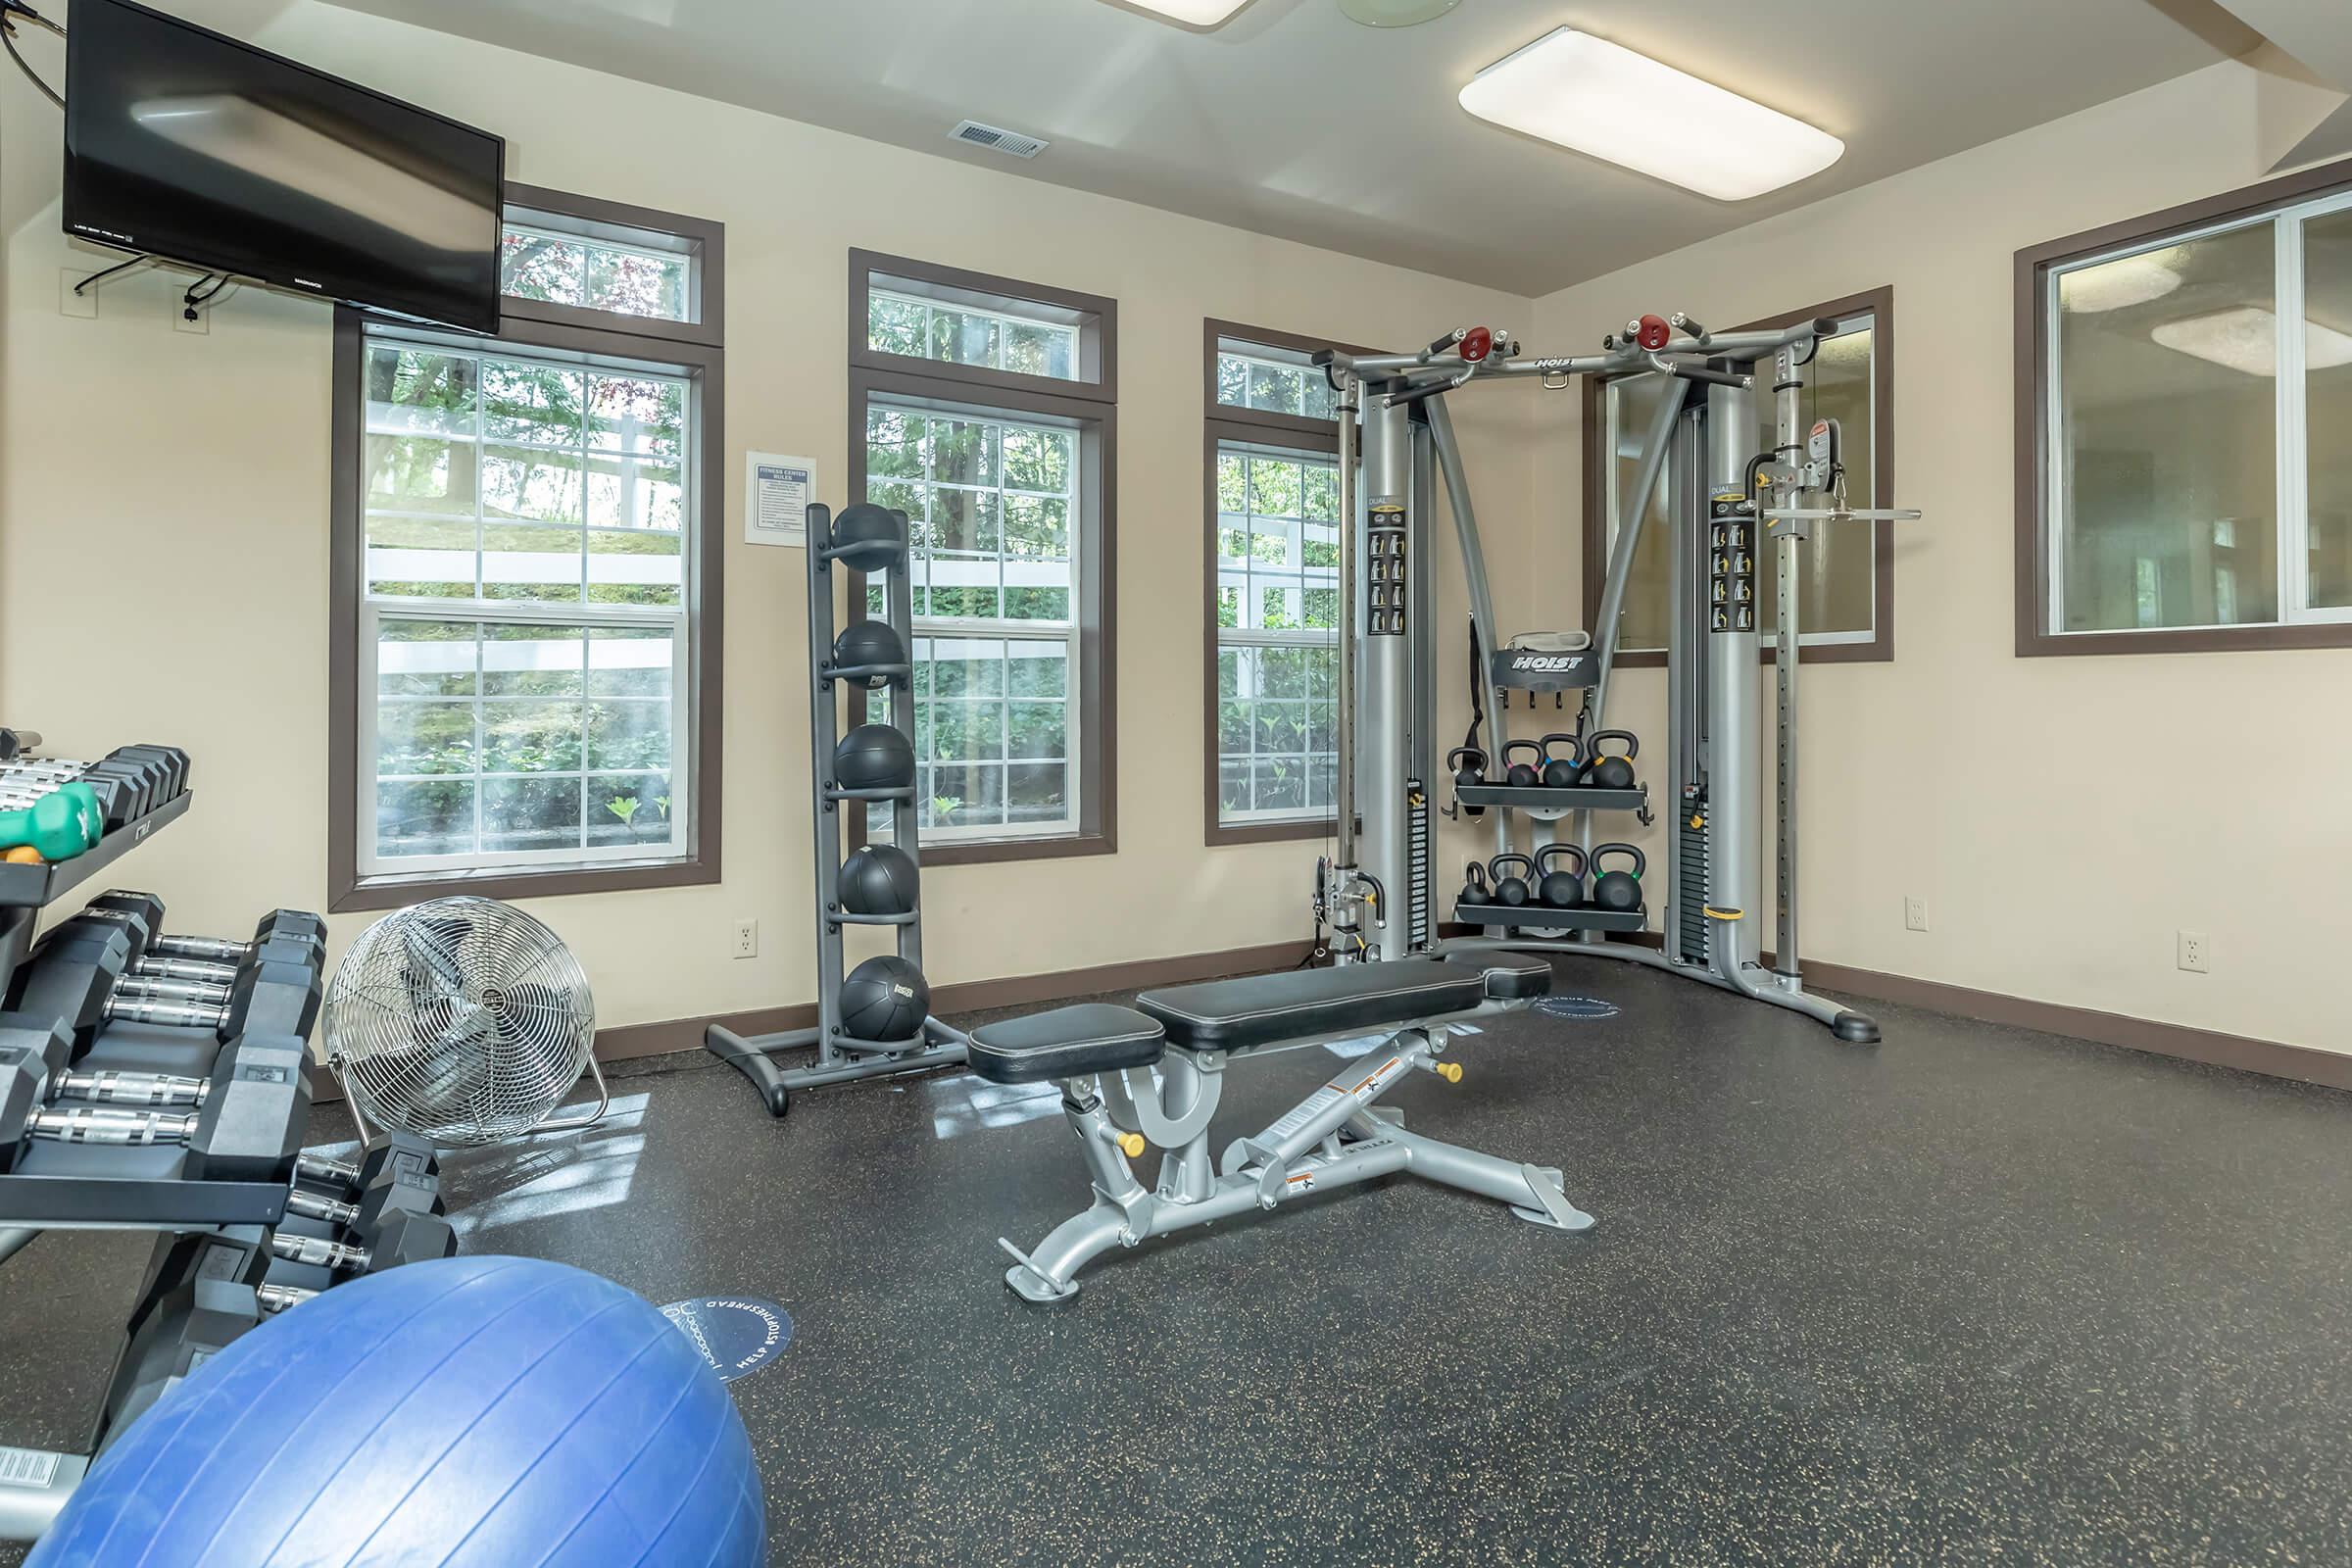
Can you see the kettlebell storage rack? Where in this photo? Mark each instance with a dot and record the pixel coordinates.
(864, 546)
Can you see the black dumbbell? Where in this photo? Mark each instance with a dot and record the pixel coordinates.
(269, 997)
(201, 1294)
(33, 1050)
(173, 760)
(279, 925)
(247, 1123)
(395, 1213)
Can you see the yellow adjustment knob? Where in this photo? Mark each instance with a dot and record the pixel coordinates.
(1451, 1072)
(1129, 1144)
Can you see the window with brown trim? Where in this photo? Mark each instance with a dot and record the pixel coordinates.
(526, 562)
(2184, 384)
(1848, 594)
(986, 408)
(1272, 611)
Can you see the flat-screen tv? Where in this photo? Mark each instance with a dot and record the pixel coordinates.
(192, 146)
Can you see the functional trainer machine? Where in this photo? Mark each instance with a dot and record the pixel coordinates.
(875, 1020)
(1728, 501)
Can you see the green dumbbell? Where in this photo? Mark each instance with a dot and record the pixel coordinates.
(66, 823)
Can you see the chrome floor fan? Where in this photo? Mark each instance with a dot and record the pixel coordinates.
(462, 1021)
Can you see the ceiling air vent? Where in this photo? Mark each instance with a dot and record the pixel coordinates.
(997, 140)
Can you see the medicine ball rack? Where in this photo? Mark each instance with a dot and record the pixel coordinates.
(868, 539)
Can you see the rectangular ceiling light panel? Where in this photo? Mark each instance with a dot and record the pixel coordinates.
(2246, 338)
(1193, 13)
(1602, 99)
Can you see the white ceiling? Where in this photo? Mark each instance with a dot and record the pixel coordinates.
(1292, 121)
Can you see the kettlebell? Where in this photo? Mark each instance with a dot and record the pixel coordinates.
(1473, 885)
(1510, 888)
(1619, 891)
(1469, 766)
(1560, 889)
(1523, 775)
(1559, 772)
(1614, 770)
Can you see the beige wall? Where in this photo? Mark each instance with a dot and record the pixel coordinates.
(2064, 817)
(163, 517)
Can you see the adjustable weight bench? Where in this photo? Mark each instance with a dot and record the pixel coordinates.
(1150, 1074)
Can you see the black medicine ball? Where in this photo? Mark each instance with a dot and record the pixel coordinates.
(879, 879)
(885, 999)
(874, 757)
(867, 642)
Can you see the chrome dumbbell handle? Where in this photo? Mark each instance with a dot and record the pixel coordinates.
(309, 1206)
(310, 1167)
(162, 988)
(111, 1126)
(214, 950)
(162, 1010)
(280, 1297)
(204, 970)
(151, 1089)
(319, 1254)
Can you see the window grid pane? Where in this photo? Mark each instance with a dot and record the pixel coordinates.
(2165, 439)
(1277, 544)
(485, 472)
(1272, 385)
(971, 334)
(520, 482)
(499, 740)
(595, 275)
(991, 504)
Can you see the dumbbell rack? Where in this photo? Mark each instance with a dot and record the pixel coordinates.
(230, 1252)
(841, 1057)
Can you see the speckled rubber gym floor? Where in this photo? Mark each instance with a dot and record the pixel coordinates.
(1971, 1295)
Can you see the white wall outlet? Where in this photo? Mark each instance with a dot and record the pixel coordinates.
(2195, 953)
(69, 303)
(1915, 914)
(747, 938)
(181, 312)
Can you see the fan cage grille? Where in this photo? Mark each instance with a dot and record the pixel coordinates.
(459, 1019)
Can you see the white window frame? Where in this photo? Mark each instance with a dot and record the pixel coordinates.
(1611, 500)
(2293, 434)
(588, 244)
(1067, 631)
(678, 621)
(1061, 321)
(1246, 637)
(1273, 358)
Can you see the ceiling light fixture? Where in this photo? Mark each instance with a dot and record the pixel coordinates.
(1600, 98)
(2245, 338)
(2119, 284)
(1192, 13)
(1396, 12)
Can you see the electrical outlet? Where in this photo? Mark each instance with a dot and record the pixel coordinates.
(69, 303)
(747, 938)
(1915, 914)
(202, 325)
(2196, 954)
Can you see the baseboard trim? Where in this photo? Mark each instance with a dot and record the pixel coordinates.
(2271, 1057)
(2274, 1059)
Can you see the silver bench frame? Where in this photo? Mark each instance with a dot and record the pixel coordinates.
(1170, 1104)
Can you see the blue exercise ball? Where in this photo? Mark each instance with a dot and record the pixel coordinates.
(491, 1413)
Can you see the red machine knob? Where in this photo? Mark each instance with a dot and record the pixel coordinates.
(1652, 332)
(1478, 343)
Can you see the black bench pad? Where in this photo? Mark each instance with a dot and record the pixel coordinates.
(1308, 1004)
(1066, 1043)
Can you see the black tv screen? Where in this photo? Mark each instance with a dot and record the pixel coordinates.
(188, 145)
